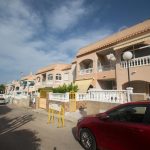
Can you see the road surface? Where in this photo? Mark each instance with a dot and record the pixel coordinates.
(25, 129)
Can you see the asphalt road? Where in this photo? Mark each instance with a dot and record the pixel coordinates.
(24, 129)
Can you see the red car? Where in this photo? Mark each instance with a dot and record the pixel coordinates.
(125, 127)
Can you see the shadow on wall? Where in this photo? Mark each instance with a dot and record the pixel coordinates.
(12, 139)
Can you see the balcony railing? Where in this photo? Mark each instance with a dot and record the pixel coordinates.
(43, 82)
(63, 97)
(106, 68)
(141, 61)
(98, 95)
(86, 71)
(109, 96)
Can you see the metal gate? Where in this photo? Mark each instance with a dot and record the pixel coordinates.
(72, 101)
(42, 99)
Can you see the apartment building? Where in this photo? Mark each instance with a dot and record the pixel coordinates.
(54, 75)
(103, 64)
(24, 86)
(27, 84)
(12, 88)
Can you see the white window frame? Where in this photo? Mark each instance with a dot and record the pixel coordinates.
(66, 76)
(58, 77)
(50, 77)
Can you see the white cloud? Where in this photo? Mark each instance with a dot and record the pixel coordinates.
(78, 42)
(18, 53)
(66, 15)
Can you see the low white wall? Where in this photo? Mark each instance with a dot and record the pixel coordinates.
(21, 102)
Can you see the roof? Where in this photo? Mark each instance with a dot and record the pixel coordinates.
(28, 77)
(45, 69)
(51, 67)
(74, 60)
(117, 37)
(68, 67)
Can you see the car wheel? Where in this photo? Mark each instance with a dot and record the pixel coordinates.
(87, 140)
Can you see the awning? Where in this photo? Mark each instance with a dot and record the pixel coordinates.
(83, 85)
(130, 43)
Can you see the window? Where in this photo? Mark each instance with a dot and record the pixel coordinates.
(50, 77)
(17, 88)
(58, 76)
(44, 77)
(38, 79)
(31, 83)
(131, 113)
(66, 76)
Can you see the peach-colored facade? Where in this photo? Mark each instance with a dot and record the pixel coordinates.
(27, 84)
(13, 87)
(54, 75)
(103, 61)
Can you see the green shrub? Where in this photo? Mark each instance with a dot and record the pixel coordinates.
(65, 88)
(48, 89)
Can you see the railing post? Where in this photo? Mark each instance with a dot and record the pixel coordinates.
(129, 92)
(67, 96)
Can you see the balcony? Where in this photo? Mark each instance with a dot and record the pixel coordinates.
(86, 71)
(44, 83)
(140, 61)
(106, 68)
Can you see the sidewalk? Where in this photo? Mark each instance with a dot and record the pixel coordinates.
(69, 116)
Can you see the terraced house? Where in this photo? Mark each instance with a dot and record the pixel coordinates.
(27, 84)
(54, 75)
(117, 62)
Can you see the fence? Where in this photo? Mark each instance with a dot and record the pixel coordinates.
(109, 96)
(136, 62)
(63, 97)
(86, 71)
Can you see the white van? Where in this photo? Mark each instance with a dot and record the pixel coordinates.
(2, 99)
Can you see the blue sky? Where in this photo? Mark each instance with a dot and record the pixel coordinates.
(36, 33)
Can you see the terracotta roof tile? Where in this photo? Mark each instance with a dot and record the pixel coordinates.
(117, 37)
(52, 67)
(28, 77)
(67, 67)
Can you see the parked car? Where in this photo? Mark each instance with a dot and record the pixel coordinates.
(125, 127)
(2, 99)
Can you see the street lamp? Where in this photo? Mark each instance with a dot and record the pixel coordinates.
(128, 56)
(112, 59)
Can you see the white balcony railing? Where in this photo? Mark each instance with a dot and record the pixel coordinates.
(141, 61)
(109, 96)
(98, 95)
(86, 71)
(106, 68)
(63, 97)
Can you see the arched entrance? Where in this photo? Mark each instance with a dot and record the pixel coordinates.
(86, 66)
(139, 86)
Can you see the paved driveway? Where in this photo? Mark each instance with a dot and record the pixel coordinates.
(24, 129)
